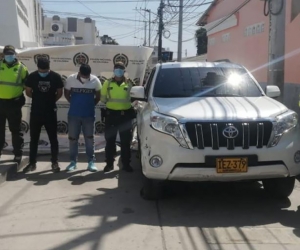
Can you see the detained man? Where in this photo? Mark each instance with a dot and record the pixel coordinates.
(45, 87)
(82, 90)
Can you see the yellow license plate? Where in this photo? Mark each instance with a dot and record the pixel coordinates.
(232, 165)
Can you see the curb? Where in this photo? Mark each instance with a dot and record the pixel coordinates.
(9, 168)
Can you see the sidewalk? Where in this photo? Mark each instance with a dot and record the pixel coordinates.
(80, 210)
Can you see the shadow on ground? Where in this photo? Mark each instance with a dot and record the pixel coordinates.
(205, 205)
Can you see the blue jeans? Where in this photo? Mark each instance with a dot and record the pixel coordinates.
(86, 124)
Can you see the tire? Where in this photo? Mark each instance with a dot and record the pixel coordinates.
(152, 189)
(280, 187)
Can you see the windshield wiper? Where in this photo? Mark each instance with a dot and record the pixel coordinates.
(221, 95)
(170, 96)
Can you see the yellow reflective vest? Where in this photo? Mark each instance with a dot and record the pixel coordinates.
(12, 78)
(116, 97)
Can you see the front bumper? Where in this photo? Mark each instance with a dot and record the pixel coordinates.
(272, 162)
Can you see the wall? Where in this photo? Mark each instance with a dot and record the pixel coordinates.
(28, 22)
(292, 51)
(239, 44)
(9, 24)
(252, 50)
(18, 20)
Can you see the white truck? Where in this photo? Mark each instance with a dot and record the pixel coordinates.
(213, 122)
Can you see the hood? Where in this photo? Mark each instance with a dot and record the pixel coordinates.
(220, 108)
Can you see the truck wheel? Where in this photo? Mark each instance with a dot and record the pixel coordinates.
(279, 187)
(152, 189)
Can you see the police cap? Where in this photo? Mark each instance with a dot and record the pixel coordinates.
(119, 64)
(9, 49)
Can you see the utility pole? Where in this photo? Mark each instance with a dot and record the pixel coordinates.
(145, 38)
(149, 35)
(179, 49)
(149, 43)
(160, 29)
(186, 53)
(277, 16)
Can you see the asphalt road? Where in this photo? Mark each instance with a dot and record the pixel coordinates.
(91, 211)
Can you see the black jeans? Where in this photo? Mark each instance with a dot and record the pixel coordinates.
(11, 111)
(114, 122)
(49, 121)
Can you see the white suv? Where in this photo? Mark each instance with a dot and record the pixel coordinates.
(213, 122)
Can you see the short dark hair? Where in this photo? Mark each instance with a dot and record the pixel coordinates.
(43, 63)
(85, 69)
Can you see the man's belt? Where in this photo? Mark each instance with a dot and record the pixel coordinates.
(11, 99)
(118, 112)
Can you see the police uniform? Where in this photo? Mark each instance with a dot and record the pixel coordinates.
(12, 78)
(118, 118)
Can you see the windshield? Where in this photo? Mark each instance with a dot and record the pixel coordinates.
(198, 82)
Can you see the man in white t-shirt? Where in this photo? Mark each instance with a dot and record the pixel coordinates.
(82, 90)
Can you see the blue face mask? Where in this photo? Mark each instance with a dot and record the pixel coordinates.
(119, 72)
(43, 74)
(9, 58)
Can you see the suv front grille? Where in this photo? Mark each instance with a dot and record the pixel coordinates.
(210, 134)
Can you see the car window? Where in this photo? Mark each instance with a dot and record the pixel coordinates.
(149, 81)
(204, 81)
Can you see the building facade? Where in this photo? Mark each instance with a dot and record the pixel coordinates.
(59, 31)
(20, 23)
(238, 30)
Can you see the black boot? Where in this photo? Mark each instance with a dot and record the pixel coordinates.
(55, 167)
(18, 159)
(108, 168)
(29, 168)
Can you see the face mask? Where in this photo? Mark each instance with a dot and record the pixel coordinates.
(84, 80)
(43, 74)
(9, 58)
(119, 72)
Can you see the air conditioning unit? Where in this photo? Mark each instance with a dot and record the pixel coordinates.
(57, 27)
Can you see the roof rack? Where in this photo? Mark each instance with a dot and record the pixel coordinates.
(223, 60)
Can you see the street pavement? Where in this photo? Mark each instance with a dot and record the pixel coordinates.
(92, 211)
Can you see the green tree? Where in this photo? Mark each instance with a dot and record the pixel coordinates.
(201, 41)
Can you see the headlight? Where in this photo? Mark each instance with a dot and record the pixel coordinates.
(283, 124)
(168, 125)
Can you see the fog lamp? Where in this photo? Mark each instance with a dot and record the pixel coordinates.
(156, 161)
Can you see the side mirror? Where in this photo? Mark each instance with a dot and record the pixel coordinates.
(272, 91)
(138, 93)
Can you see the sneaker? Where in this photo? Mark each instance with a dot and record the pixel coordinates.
(29, 168)
(92, 167)
(18, 158)
(55, 167)
(108, 168)
(72, 166)
(128, 169)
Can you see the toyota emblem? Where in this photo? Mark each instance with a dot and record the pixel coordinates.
(230, 132)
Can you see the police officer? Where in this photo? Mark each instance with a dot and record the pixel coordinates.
(12, 77)
(115, 93)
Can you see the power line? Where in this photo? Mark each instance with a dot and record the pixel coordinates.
(90, 9)
(92, 16)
